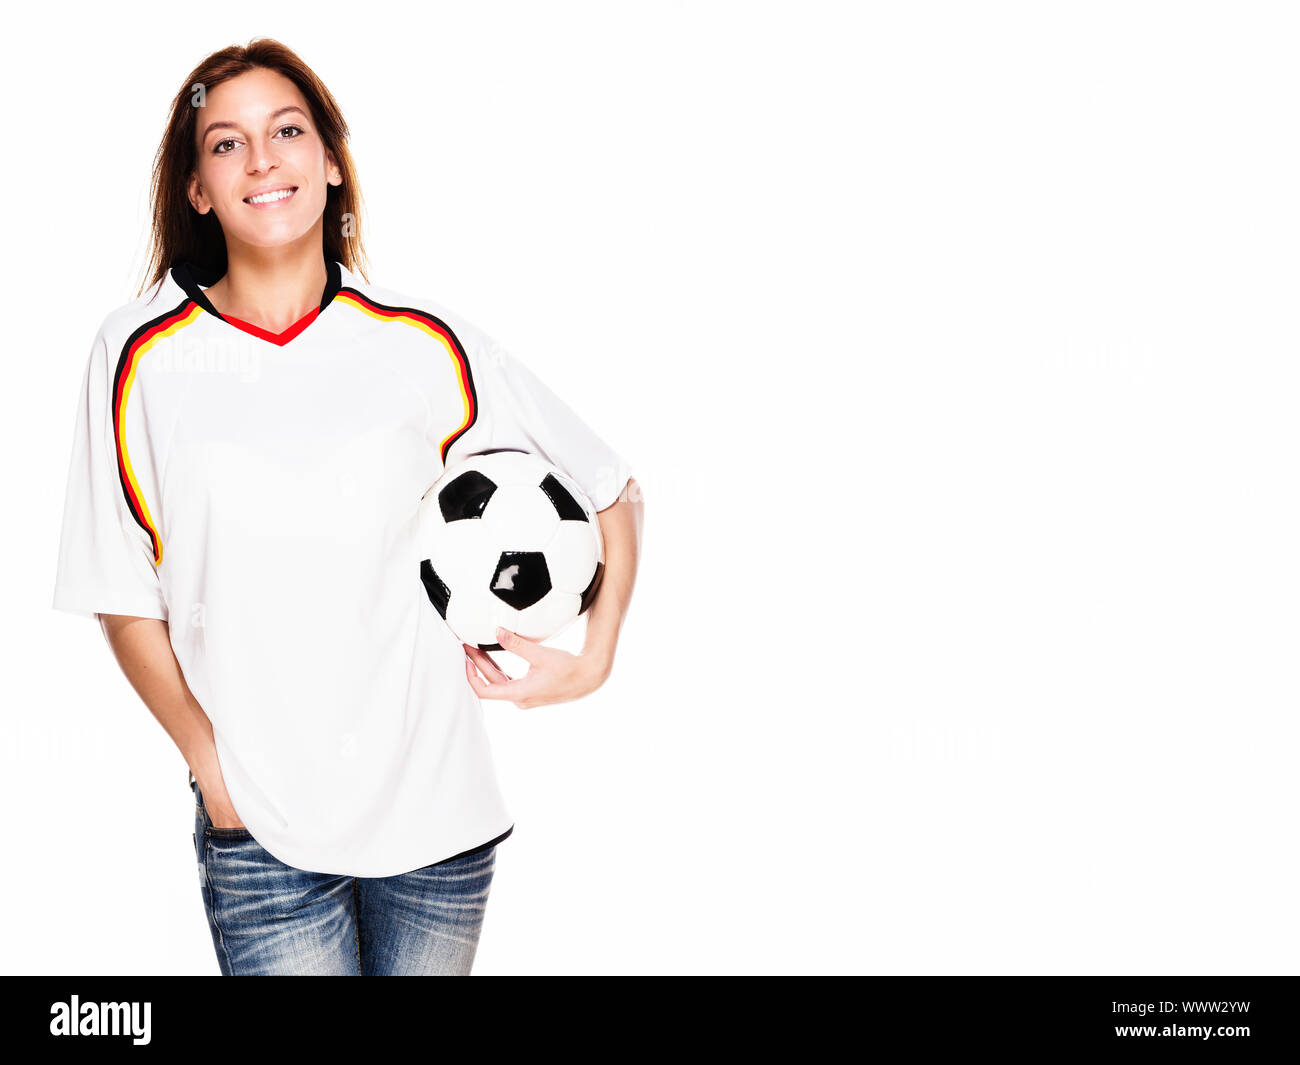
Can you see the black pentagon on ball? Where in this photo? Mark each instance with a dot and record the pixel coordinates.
(466, 496)
(439, 593)
(521, 578)
(568, 508)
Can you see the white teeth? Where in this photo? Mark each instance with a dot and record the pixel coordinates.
(270, 196)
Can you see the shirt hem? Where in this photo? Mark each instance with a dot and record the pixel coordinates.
(92, 608)
(474, 850)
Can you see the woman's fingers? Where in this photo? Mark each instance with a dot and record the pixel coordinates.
(513, 690)
(483, 660)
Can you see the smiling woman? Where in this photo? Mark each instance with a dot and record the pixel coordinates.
(248, 541)
(265, 172)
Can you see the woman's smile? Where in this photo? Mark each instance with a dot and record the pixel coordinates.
(271, 198)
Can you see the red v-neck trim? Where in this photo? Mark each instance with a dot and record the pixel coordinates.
(275, 338)
(192, 279)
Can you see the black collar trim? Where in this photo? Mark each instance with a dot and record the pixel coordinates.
(189, 276)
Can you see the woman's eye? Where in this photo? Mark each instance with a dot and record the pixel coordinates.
(298, 132)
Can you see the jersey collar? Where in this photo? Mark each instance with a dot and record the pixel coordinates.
(190, 276)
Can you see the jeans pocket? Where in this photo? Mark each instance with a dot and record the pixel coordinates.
(226, 833)
(209, 829)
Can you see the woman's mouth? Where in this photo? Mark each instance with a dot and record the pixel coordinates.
(271, 199)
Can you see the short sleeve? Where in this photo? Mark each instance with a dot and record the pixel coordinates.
(106, 558)
(517, 410)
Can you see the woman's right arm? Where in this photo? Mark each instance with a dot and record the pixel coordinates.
(144, 651)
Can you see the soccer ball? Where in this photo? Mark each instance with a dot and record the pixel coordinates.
(507, 539)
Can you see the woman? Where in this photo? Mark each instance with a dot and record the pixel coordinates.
(256, 432)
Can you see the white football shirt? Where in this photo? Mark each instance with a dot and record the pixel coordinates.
(259, 492)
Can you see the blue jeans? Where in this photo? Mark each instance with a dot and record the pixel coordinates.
(270, 919)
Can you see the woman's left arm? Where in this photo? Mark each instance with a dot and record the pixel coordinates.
(556, 676)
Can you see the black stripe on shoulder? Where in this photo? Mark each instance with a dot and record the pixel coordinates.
(457, 347)
(119, 378)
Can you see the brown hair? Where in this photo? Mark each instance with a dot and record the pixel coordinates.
(179, 231)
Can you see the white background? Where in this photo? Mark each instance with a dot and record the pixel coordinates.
(955, 349)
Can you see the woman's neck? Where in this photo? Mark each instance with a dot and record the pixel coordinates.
(270, 293)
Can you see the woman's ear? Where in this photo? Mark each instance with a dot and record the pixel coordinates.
(195, 193)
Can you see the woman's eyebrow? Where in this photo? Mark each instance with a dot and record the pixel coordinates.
(270, 118)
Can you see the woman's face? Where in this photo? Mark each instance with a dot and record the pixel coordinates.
(255, 133)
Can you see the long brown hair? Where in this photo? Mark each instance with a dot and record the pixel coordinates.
(179, 231)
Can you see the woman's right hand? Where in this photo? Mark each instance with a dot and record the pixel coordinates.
(217, 802)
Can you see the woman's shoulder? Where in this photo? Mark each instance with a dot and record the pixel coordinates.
(416, 301)
(159, 301)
